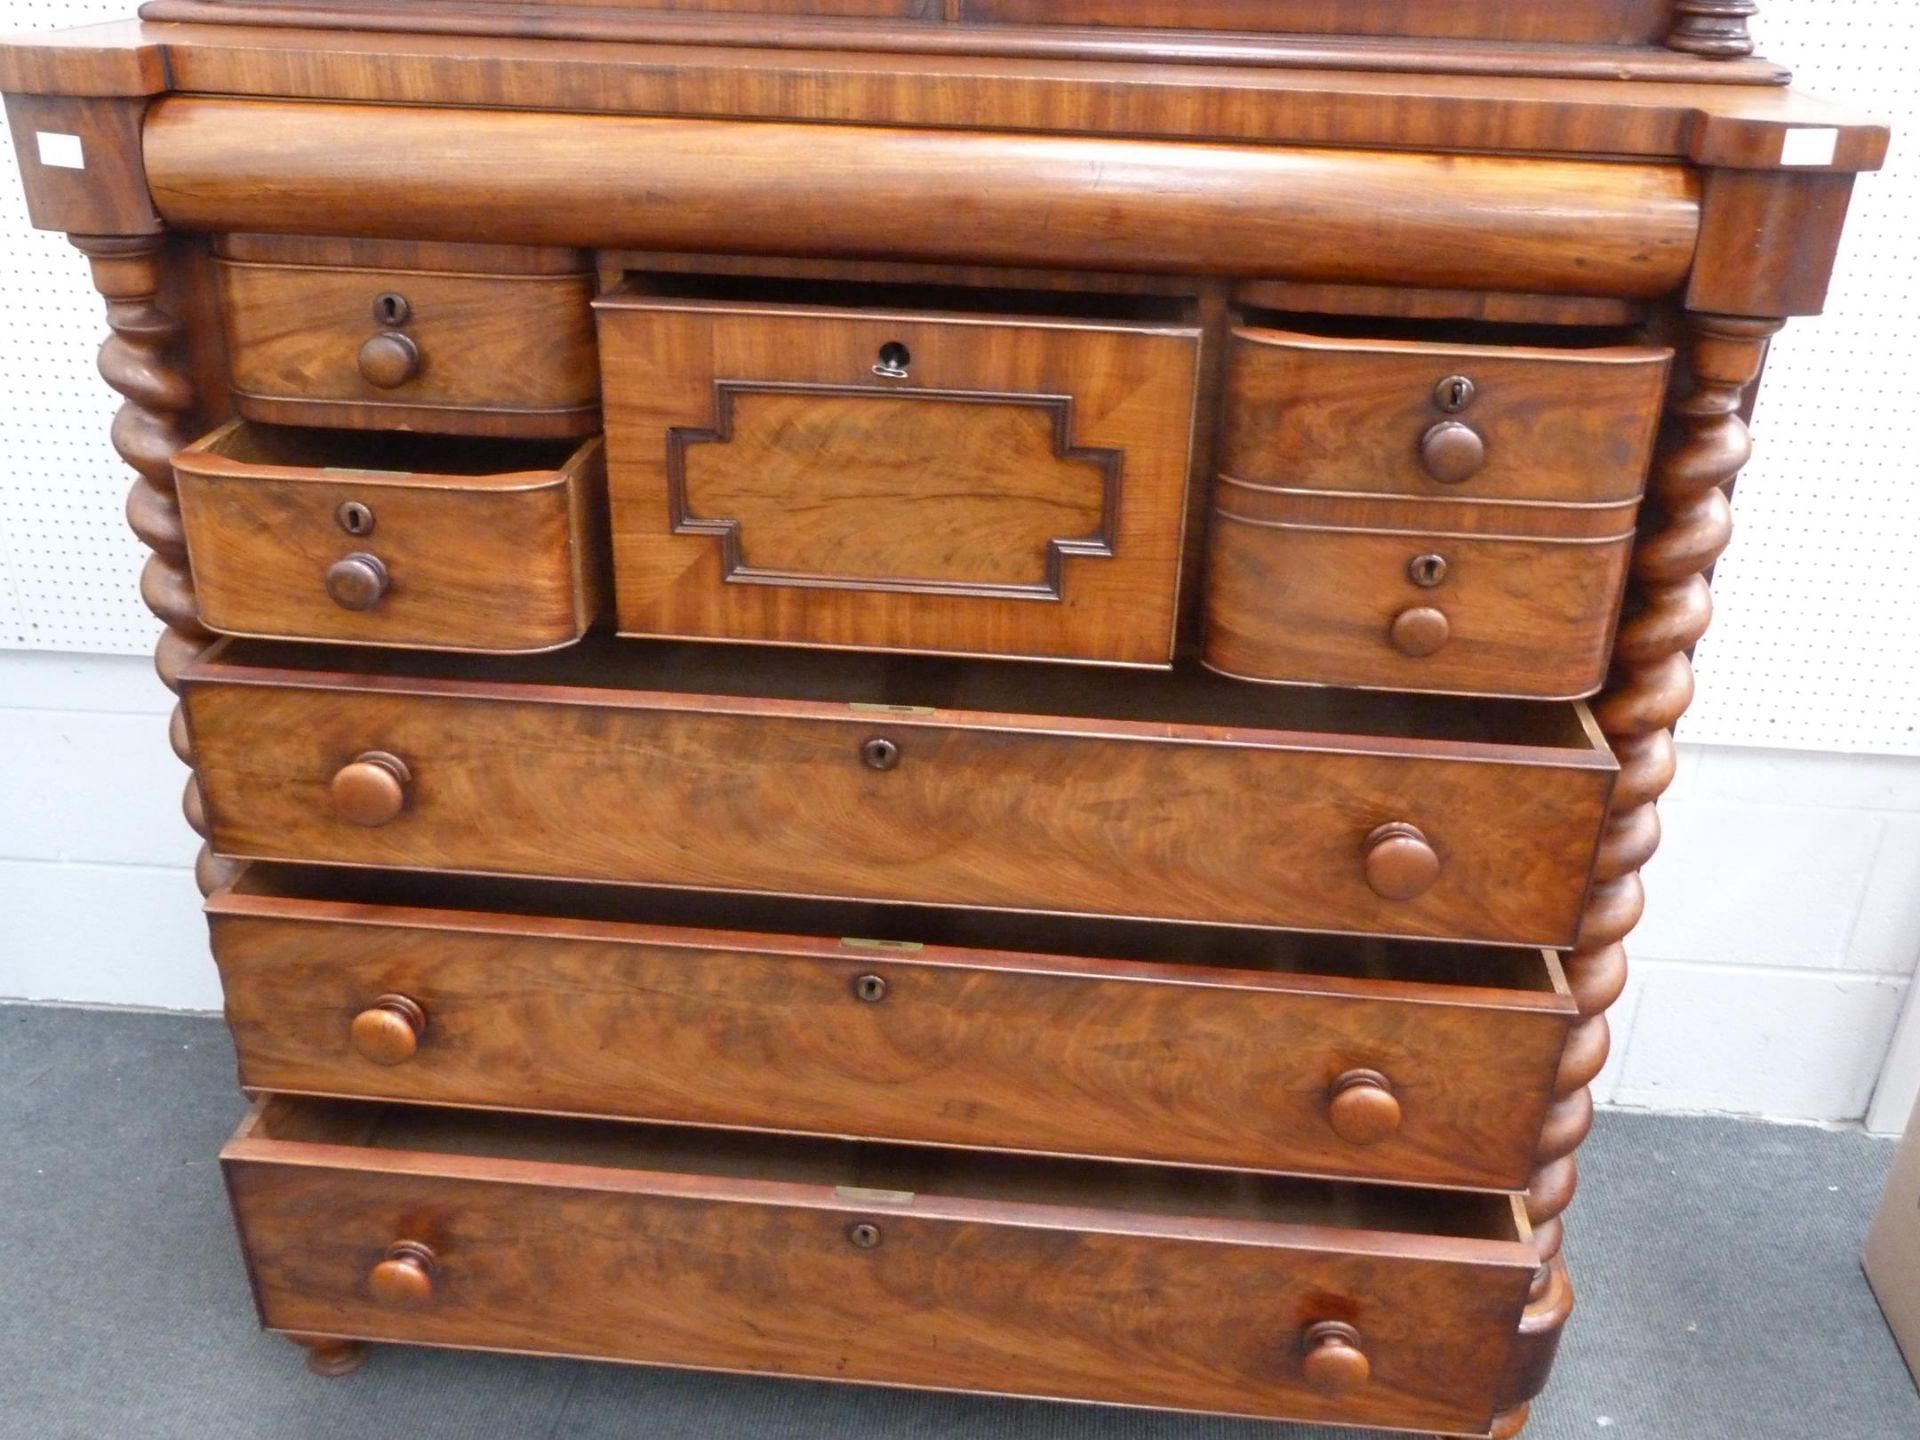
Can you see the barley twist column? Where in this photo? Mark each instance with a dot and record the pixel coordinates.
(1686, 525)
(138, 360)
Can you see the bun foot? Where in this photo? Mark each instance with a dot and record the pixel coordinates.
(1507, 1426)
(332, 1358)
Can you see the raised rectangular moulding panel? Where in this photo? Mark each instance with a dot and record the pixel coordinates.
(1413, 1062)
(879, 778)
(394, 539)
(859, 471)
(322, 332)
(1285, 1299)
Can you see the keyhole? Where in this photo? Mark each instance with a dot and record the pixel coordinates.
(1427, 571)
(1453, 394)
(391, 309)
(355, 518)
(870, 988)
(864, 1236)
(893, 362)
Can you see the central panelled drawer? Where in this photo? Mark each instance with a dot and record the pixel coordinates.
(1412, 1062)
(892, 468)
(864, 778)
(1286, 1299)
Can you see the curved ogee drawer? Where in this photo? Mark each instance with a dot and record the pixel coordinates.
(1049, 790)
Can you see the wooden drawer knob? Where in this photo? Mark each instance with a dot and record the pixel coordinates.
(1335, 1363)
(388, 1031)
(1452, 452)
(358, 581)
(372, 789)
(1362, 1109)
(1400, 863)
(1420, 631)
(389, 360)
(405, 1278)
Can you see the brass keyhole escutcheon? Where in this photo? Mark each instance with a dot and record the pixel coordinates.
(880, 753)
(1454, 394)
(871, 989)
(1427, 571)
(894, 361)
(391, 308)
(864, 1236)
(355, 517)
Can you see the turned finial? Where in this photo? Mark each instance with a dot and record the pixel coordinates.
(1716, 29)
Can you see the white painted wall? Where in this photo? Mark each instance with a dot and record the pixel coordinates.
(1784, 924)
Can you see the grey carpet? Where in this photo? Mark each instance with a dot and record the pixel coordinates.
(1719, 1294)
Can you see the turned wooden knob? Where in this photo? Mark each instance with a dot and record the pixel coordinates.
(1362, 1109)
(389, 359)
(1420, 631)
(405, 1278)
(388, 1031)
(1452, 451)
(1335, 1363)
(1400, 864)
(372, 789)
(357, 581)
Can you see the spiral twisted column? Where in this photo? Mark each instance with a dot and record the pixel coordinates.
(138, 360)
(1685, 525)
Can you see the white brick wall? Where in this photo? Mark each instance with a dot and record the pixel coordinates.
(1782, 932)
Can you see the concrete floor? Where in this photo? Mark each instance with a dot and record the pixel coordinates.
(1720, 1296)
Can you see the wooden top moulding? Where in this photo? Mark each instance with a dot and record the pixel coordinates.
(1374, 102)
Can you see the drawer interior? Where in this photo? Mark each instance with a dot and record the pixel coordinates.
(1526, 977)
(1034, 697)
(386, 452)
(901, 1174)
(883, 297)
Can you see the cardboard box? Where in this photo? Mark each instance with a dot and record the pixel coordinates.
(1892, 1258)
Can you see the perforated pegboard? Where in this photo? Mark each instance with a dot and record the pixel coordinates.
(69, 567)
(1815, 643)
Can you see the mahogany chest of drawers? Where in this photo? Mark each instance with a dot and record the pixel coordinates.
(949, 693)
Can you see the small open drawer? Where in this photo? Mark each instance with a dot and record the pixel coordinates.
(1420, 1063)
(394, 539)
(1287, 1299)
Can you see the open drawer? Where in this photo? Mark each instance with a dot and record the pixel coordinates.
(878, 778)
(394, 539)
(1257, 1050)
(879, 467)
(1298, 1300)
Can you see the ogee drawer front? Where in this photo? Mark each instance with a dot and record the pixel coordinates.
(1285, 1299)
(1400, 834)
(395, 539)
(1414, 595)
(941, 483)
(1409, 418)
(1254, 1051)
(412, 349)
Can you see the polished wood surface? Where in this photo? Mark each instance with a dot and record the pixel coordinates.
(507, 354)
(1416, 464)
(1700, 58)
(1502, 422)
(894, 479)
(815, 1260)
(1189, 1047)
(1226, 821)
(1419, 601)
(545, 179)
(394, 540)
